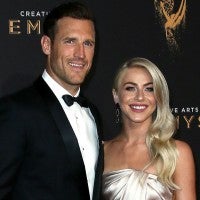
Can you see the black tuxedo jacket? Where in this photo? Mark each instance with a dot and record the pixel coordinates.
(40, 157)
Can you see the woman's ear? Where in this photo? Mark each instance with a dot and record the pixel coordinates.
(115, 96)
(46, 44)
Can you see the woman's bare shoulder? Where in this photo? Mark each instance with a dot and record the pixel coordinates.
(183, 148)
(184, 175)
(185, 155)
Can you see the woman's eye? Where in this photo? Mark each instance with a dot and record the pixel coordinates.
(130, 88)
(150, 89)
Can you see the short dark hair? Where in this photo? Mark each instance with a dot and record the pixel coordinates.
(75, 10)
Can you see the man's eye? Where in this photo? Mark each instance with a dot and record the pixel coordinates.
(69, 41)
(88, 43)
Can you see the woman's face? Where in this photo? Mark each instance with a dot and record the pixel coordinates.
(135, 95)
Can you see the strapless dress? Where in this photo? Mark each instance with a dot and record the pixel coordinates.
(131, 184)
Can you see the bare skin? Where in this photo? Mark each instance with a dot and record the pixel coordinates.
(129, 150)
(71, 52)
(137, 102)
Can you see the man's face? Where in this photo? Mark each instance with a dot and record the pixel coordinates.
(71, 52)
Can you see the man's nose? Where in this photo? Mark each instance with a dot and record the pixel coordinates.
(79, 51)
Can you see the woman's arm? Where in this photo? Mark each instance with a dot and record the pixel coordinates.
(184, 175)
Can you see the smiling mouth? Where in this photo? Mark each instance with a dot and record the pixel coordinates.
(80, 65)
(138, 107)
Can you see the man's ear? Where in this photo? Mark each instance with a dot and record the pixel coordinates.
(115, 96)
(46, 44)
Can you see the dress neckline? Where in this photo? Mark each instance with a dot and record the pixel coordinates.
(130, 169)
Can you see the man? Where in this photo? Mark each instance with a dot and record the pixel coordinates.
(50, 146)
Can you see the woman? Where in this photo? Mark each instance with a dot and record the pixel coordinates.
(143, 161)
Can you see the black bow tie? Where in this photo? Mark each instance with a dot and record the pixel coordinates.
(69, 100)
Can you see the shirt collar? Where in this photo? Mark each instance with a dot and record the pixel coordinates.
(57, 89)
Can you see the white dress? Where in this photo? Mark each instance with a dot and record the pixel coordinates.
(131, 184)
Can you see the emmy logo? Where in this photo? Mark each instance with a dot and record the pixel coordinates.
(171, 20)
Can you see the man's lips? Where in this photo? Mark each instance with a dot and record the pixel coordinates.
(75, 64)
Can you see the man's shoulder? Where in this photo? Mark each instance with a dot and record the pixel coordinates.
(22, 96)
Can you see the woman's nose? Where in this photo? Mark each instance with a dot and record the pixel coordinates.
(139, 95)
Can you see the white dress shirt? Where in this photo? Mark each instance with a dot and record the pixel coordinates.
(84, 127)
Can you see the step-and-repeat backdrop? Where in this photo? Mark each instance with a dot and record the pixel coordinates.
(164, 31)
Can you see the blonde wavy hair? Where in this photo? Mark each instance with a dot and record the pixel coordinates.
(159, 140)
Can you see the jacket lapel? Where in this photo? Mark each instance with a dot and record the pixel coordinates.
(100, 164)
(72, 147)
(70, 141)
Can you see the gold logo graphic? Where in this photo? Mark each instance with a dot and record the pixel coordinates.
(27, 23)
(171, 20)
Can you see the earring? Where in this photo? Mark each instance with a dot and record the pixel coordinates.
(117, 113)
